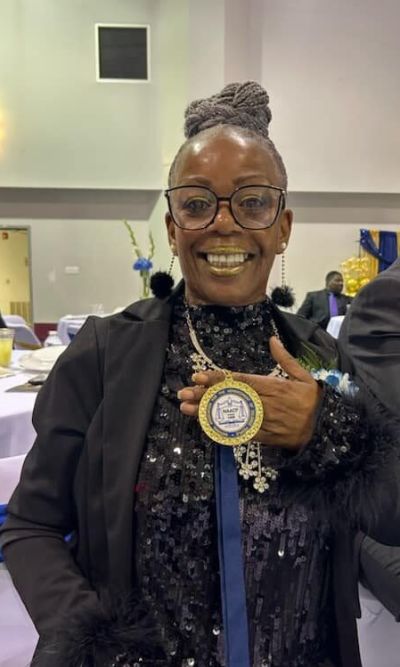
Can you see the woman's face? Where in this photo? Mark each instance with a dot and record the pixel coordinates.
(224, 161)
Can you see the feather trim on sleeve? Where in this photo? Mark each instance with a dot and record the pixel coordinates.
(351, 465)
(121, 633)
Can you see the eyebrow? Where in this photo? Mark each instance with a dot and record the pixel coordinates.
(256, 179)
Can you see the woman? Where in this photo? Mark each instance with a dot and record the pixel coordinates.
(173, 557)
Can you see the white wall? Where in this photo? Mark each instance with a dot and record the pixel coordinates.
(62, 128)
(101, 251)
(332, 71)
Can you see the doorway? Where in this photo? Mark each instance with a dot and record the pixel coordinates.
(15, 272)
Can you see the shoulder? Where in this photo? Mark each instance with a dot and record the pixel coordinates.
(299, 331)
(88, 347)
(146, 310)
(317, 294)
(385, 286)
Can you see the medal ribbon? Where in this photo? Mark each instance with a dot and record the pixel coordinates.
(233, 592)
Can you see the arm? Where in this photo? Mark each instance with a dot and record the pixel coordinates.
(42, 508)
(306, 307)
(351, 466)
(369, 343)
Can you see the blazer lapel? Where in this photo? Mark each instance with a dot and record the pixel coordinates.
(134, 363)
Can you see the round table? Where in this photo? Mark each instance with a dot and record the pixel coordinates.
(16, 431)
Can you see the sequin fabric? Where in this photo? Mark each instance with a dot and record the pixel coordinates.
(286, 545)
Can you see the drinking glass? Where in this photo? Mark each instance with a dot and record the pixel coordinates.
(6, 344)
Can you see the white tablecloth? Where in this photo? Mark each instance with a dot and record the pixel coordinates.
(334, 325)
(378, 633)
(18, 636)
(16, 431)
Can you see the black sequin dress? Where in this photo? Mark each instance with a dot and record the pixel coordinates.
(286, 544)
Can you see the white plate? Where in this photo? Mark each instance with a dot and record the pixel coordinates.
(41, 360)
(6, 372)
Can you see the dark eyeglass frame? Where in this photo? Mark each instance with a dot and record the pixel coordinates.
(280, 208)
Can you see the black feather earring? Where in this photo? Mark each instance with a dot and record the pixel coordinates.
(162, 282)
(283, 295)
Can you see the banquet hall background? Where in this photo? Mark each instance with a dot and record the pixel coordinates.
(78, 155)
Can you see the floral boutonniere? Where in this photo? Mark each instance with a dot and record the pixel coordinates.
(142, 264)
(326, 371)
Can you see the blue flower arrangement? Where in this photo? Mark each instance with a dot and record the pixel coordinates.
(142, 264)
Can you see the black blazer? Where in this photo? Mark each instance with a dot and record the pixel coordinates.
(369, 341)
(92, 416)
(369, 346)
(316, 306)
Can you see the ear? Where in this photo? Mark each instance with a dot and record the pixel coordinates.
(171, 230)
(284, 229)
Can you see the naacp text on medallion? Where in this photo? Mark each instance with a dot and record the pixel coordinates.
(231, 413)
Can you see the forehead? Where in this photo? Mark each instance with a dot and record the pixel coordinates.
(226, 155)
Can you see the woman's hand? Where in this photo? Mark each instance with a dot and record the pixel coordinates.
(290, 405)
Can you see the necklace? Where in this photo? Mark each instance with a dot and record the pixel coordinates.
(231, 413)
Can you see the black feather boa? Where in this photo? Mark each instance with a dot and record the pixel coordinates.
(118, 633)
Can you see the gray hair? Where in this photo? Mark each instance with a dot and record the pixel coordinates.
(241, 105)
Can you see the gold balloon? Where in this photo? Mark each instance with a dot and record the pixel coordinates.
(352, 285)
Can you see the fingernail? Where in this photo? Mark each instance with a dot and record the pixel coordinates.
(185, 395)
(201, 378)
(278, 340)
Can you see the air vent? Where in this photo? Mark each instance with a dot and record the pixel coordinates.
(122, 53)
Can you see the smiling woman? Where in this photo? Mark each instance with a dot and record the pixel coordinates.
(221, 221)
(212, 487)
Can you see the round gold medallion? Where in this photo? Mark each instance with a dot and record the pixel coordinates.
(231, 412)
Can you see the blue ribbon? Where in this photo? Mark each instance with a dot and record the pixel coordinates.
(3, 515)
(233, 591)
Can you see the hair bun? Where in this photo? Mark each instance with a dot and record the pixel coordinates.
(243, 104)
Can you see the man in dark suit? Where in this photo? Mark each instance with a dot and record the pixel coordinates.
(323, 304)
(369, 346)
(3, 325)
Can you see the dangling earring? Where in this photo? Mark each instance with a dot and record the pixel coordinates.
(283, 295)
(171, 264)
(162, 282)
(283, 265)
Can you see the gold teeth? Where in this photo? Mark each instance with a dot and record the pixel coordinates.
(225, 259)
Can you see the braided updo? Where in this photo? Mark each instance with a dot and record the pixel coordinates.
(241, 105)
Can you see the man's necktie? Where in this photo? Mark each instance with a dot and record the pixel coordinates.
(333, 305)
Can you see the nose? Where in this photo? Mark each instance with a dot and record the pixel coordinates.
(224, 222)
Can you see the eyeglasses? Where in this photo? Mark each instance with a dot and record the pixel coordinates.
(251, 206)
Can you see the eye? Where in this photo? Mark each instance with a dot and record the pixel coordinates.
(255, 202)
(197, 205)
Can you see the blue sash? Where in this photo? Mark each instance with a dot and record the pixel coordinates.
(233, 592)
